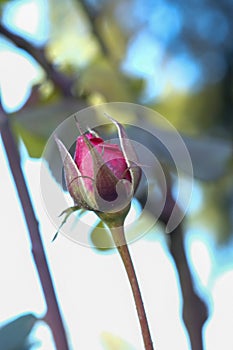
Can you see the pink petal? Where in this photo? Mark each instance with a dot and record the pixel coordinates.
(111, 154)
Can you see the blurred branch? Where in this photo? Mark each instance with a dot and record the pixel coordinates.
(227, 93)
(92, 16)
(195, 312)
(194, 309)
(60, 80)
(53, 316)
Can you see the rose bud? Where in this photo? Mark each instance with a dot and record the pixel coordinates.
(102, 177)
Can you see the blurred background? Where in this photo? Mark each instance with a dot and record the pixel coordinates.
(57, 57)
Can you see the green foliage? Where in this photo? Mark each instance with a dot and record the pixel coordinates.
(101, 77)
(14, 335)
(3, 2)
(101, 238)
(36, 124)
(113, 342)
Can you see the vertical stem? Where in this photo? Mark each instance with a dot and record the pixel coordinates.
(194, 309)
(53, 316)
(119, 239)
(195, 312)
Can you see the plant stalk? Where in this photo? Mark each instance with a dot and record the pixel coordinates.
(122, 247)
(53, 316)
(195, 312)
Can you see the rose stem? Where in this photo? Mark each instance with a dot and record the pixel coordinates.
(195, 312)
(119, 239)
(53, 316)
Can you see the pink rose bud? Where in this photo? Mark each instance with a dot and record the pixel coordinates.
(102, 177)
(112, 157)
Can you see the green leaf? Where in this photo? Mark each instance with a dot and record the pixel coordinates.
(36, 124)
(113, 342)
(14, 335)
(101, 78)
(33, 143)
(2, 2)
(129, 153)
(101, 238)
(210, 156)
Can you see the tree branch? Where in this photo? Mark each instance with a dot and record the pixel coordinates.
(92, 16)
(60, 80)
(195, 312)
(194, 309)
(53, 316)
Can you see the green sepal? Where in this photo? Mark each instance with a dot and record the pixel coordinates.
(74, 179)
(129, 153)
(68, 212)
